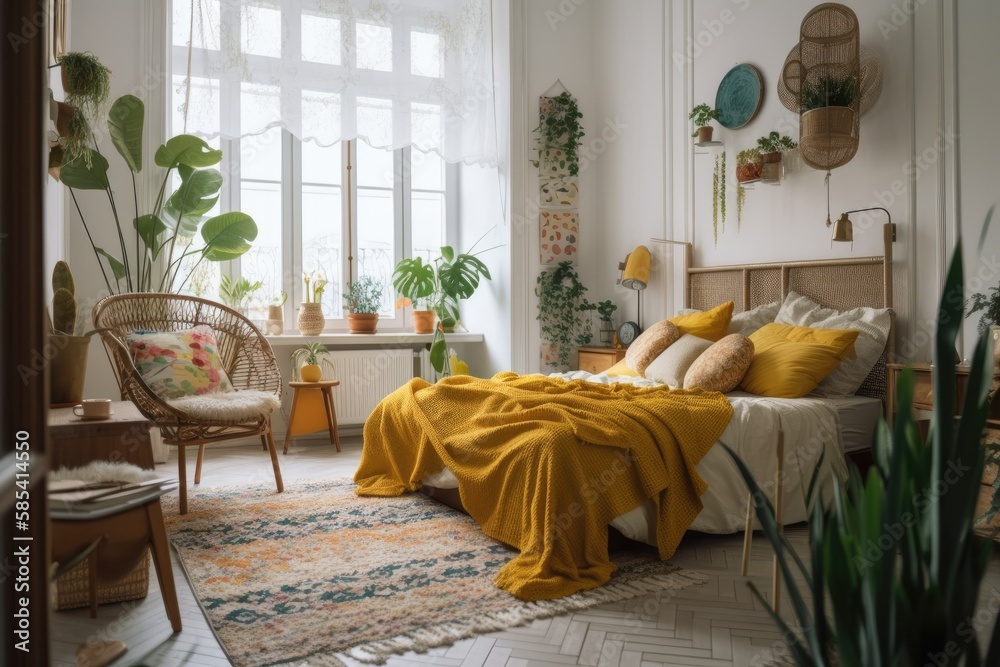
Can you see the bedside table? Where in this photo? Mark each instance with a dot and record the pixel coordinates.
(923, 389)
(598, 359)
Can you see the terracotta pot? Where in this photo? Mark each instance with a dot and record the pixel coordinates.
(423, 321)
(68, 367)
(705, 134)
(63, 115)
(84, 85)
(311, 373)
(311, 320)
(362, 323)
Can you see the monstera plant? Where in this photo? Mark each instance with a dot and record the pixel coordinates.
(441, 283)
(176, 234)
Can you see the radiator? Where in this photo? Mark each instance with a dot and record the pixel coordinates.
(366, 377)
(427, 371)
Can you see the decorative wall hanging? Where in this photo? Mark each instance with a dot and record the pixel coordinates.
(826, 78)
(559, 134)
(739, 97)
(871, 80)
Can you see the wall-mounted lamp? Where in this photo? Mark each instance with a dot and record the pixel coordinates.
(843, 229)
(635, 274)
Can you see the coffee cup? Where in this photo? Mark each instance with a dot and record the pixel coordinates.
(93, 408)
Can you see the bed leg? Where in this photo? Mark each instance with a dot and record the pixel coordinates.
(748, 535)
(779, 493)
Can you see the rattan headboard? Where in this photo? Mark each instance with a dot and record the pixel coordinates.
(835, 283)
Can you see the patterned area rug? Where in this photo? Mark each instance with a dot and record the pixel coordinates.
(319, 573)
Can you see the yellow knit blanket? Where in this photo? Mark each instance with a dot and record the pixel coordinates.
(544, 465)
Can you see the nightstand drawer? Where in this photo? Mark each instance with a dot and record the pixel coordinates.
(598, 360)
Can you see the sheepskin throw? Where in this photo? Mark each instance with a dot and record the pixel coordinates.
(235, 407)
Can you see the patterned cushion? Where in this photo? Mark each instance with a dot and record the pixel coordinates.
(722, 366)
(670, 367)
(650, 344)
(175, 364)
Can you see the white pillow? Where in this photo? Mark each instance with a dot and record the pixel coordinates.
(872, 324)
(672, 364)
(748, 321)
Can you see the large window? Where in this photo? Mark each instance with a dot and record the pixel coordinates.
(340, 211)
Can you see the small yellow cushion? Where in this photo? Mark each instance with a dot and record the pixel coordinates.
(621, 368)
(709, 324)
(790, 361)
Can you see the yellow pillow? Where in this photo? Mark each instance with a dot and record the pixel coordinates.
(709, 324)
(790, 361)
(621, 368)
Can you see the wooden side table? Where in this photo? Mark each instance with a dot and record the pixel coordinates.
(598, 359)
(297, 419)
(923, 389)
(123, 437)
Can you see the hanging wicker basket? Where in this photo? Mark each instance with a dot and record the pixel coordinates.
(829, 130)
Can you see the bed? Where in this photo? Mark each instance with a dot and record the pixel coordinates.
(782, 440)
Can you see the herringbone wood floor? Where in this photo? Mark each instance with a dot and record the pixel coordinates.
(718, 624)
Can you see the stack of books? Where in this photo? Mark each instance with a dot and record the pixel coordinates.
(76, 499)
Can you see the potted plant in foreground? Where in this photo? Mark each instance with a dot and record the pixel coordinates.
(771, 147)
(702, 115)
(363, 301)
(306, 359)
(440, 285)
(895, 569)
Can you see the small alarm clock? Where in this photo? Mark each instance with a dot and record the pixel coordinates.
(628, 332)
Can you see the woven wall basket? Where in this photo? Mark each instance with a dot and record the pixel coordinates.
(72, 590)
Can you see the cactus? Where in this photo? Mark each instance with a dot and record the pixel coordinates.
(63, 301)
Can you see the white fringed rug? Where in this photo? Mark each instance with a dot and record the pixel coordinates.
(317, 572)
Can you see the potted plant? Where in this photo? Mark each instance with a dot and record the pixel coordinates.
(748, 165)
(166, 246)
(275, 314)
(989, 305)
(87, 84)
(441, 285)
(825, 107)
(895, 569)
(236, 293)
(311, 319)
(423, 314)
(606, 310)
(68, 368)
(559, 134)
(771, 147)
(561, 309)
(363, 301)
(306, 359)
(702, 115)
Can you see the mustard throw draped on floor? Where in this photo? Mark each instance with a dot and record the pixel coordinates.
(544, 465)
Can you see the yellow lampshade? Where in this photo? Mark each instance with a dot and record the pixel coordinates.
(636, 273)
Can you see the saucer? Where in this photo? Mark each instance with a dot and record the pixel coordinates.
(94, 418)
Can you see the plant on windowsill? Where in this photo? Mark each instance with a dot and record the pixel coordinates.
(423, 314)
(606, 310)
(311, 320)
(237, 293)
(559, 135)
(442, 284)
(562, 311)
(87, 84)
(275, 315)
(771, 147)
(165, 246)
(363, 301)
(702, 115)
(895, 568)
(306, 360)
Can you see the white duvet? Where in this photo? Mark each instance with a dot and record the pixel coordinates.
(810, 426)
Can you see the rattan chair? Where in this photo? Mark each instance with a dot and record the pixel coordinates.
(245, 353)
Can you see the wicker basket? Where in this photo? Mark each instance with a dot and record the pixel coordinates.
(311, 319)
(72, 590)
(827, 127)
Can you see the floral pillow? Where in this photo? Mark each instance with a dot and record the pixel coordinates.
(175, 364)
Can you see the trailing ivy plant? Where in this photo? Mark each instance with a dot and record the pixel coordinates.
(561, 309)
(559, 129)
(719, 195)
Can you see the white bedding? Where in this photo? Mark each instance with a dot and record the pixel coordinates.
(811, 426)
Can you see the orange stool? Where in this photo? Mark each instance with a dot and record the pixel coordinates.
(324, 387)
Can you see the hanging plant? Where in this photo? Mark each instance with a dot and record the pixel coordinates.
(561, 308)
(719, 195)
(741, 195)
(722, 190)
(87, 84)
(559, 130)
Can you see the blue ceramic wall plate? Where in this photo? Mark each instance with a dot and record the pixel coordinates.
(740, 95)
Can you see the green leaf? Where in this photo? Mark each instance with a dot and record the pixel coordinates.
(227, 236)
(461, 278)
(116, 266)
(125, 120)
(414, 279)
(78, 176)
(149, 227)
(448, 253)
(188, 150)
(196, 195)
(439, 351)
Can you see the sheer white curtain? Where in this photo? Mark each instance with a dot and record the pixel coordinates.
(399, 73)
